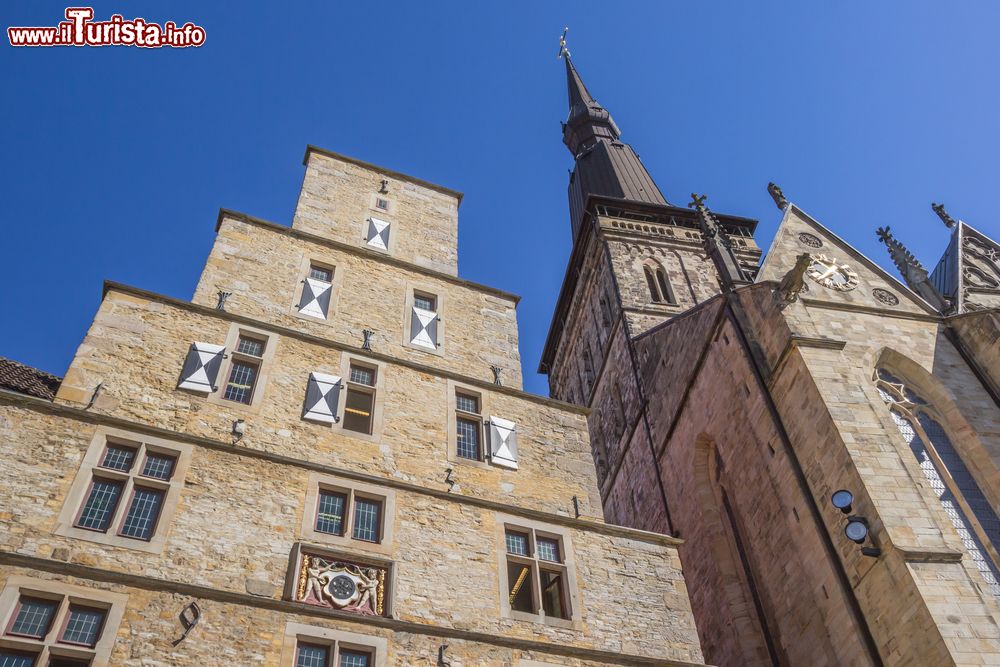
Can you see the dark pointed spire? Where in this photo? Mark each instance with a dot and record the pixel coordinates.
(943, 214)
(718, 246)
(604, 165)
(914, 274)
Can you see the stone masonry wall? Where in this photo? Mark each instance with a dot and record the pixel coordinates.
(263, 268)
(338, 196)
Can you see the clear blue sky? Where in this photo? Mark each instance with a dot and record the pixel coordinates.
(118, 159)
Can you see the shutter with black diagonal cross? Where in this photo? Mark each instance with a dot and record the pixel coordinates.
(503, 443)
(377, 235)
(315, 300)
(201, 367)
(322, 398)
(424, 328)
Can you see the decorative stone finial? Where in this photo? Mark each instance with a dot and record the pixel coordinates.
(367, 343)
(943, 214)
(718, 246)
(497, 370)
(777, 195)
(914, 274)
(384, 189)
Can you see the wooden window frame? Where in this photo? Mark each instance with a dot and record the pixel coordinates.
(377, 392)
(454, 414)
(265, 363)
(53, 644)
(90, 469)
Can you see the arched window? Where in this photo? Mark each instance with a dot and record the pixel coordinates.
(658, 284)
(960, 496)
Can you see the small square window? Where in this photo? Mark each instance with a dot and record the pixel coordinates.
(33, 618)
(424, 302)
(363, 375)
(517, 543)
(158, 466)
(467, 403)
(367, 519)
(382, 204)
(330, 513)
(250, 346)
(321, 273)
(83, 625)
(548, 549)
(312, 655)
(118, 457)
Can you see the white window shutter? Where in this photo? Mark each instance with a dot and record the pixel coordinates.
(322, 398)
(315, 299)
(503, 443)
(201, 367)
(377, 235)
(424, 328)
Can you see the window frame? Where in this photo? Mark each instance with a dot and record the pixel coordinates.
(352, 491)
(265, 363)
(377, 391)
(565, 568)
(413, 289)
(66, 596)
(454, 414)
(295, 633)
(305, 268)
(90, 469)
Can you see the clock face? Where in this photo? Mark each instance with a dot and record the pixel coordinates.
(828, 272)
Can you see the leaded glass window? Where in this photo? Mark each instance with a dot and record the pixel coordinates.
(9, 658)
(118, 457)
(158, 466)
(330, 513)
(34, 617)
(239, 388)
(83, 625)
(101, 504)
(363, 375)
(251, 346)
(548, 549)
(312, 655)
(367, 519)
(517, 543)
(467, 441)
(349, 658)
(970, 512)
(142, 513)
(320, 273)
(424, 302)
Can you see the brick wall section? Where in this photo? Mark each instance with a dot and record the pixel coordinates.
(262, 267)
(137, 347)
(239, 517)
(337, 197)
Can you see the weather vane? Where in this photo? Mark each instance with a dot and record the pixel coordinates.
(563, 51)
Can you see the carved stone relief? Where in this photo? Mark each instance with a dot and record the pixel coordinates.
(328, 582)
(810, 240)
(885, 297)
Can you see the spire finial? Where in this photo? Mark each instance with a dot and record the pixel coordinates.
(718, 246)
(777, 195)
(563, 51)
(697, 201)
(914, 274)
(943, 214)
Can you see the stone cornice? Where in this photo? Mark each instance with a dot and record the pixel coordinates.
(32, 403)
(110, 285)
(302, 609)
(870, 310)
(361, 252)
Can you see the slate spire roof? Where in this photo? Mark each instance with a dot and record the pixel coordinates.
(604, 165)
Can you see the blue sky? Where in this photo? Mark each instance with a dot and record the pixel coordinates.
(118, 159)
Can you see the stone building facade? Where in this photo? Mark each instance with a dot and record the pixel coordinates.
(823, 437)
(325, 458)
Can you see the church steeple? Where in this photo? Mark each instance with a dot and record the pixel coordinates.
(604, 165)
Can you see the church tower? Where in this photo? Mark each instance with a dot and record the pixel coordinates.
(821, 436)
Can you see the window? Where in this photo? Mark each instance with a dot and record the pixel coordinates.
(360, 402)
(949, 478)
(468, 424)
(320, 273)
(125, 490)
(146, 486)
(309, 646)
(537, 574)
(424, 320)
(317, 291)
(244, 369)
(349, 513)
(381, 204)
(659, 287)
(57, 625)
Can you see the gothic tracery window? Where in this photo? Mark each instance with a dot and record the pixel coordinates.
(961, 498)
